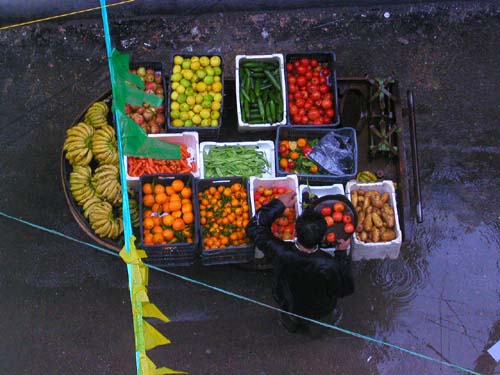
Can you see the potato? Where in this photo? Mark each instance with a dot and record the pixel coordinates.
(376, 201)
(363, 236)
(369, 210)
(389, 219)
(377, 220)
(366, 202)
(388, 235)
(387, 209)
(361, 216)
(367, 223)
(354, 198)
(361, 192)
(359, 228)
(375, 235)
(385, 197)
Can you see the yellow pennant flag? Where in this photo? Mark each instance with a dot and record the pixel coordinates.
(149, 310)
(149, 368)
(152, 337)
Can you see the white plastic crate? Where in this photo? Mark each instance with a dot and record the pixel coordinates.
(289, 182)
(267, 147)
(244, 126)
(379, 250)
(190, 139)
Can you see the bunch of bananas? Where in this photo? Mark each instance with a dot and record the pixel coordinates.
(81, 185)
(78, 144)
(103, 221)
(97, 115)
(106, 180)
(134, 212)
(366, 176)
(104, 145)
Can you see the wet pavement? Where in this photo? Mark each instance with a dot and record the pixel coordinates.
(65, 307)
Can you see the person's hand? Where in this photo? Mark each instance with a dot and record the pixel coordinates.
(288, 199)
(343, 244)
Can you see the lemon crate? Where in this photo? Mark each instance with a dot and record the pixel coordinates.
(380, 250)
(206, 132)
(189, 139)
(225, 255)
(174, 254)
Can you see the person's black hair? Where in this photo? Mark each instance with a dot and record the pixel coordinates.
(310, 228)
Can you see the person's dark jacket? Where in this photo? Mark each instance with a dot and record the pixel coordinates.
(306, 284)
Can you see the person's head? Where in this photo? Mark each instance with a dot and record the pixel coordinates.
(310, 228)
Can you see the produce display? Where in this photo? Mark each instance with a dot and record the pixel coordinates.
(196, 91)
(310, 97)
(137, 166)
(293, 156)
(94, 180)
(239, 160)
(260, 88)
(224, 214)
(168, 214)
(339, 221)
(376, 216)
(148, 117)
(284, 226)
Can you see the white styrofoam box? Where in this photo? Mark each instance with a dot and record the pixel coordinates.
(190, 139)
(244, 126)
(378, 250)
(289, 182)
(320, 191)
(266, 147)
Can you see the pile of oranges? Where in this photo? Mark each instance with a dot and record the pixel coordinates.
(224, 214)
(168, 214)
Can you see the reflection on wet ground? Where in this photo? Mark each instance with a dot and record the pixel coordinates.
(439, 298)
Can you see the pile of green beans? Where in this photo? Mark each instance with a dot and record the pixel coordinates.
(260, 92)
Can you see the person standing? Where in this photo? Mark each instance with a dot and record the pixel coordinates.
(306, 280)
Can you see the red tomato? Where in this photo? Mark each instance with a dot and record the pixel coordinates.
(297, 95)
(323, 89)
(347, 219)
(316, 95)
(322, 80)
(300, 103)
(337, 216)
(308, 104)
(312, 88)
(293, 109)
(330, 112)
(301, 81)
(297, 119)
(326, 103)
(304, 61)
(326, 211)
(283, 148)
(306, 150)
(325, 72)
(339, 207)
(296, 64)
(329, 221)
(292, 79)
(292, 88)
(301, 70)
(289, 67)
(314, 63)
(309, 75)
(330, 237)
(349, 228)
(291, 164)
(313, 114)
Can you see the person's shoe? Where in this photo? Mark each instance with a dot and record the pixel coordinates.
(291, 323)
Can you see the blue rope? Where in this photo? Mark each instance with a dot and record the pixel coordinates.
(237, 296)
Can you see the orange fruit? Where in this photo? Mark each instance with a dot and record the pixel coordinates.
(169, 190)
(156, 220)
(188, 217)
(294, 155)
(148, 239)
(236, 187)
(158, 238)
(186, 192)
(178, 224)
(188, 207)
(160, 198)
(147, 188)
(168, 220)
(227, 192)
(147, 213)
(176, 214)
(177, 185)
(283, 163)
(157, 229)
(148, 223)
(168, 234)
(174, 205)
(301, 142)
(148, 200)
(159, 189)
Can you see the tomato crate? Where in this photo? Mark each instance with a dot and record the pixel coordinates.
(159, 68)
(288, 133)
(242, 81)
(229, 254)
(170, 254)
(206, 132)
(328, 58)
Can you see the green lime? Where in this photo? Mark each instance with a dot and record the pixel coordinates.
(185, 82)
(208, 80)
(176, 77)
(217, 71)
(184, 116)
(214, 115)
(201, 73)
(188, 123)
(175, 114)
(205, 122)
(196, 119)
(177, 69)
(214, 123)
(188, 74)
(210, 71)
(189, 91)
(186, 64)
(206, 104)
(174, 95)
(184, 107)
(181, 98)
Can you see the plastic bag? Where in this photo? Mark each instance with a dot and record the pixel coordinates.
(334, 153)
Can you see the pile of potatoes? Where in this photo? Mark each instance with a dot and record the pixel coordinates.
(376, 219)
